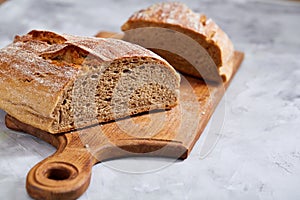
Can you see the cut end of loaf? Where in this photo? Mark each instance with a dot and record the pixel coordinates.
(110, 91)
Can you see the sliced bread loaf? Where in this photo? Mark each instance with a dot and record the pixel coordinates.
(189, 41)
(58, 83)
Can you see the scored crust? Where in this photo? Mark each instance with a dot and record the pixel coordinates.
(58, 83)
(185, 23)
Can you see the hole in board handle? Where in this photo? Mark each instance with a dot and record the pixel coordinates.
(58, 174)
(59, 171)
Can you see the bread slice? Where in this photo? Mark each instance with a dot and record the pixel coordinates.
(59, 83)
(189, 41)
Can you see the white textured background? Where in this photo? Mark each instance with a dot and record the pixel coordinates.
(258, 156)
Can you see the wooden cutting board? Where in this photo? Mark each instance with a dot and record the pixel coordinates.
(66, 174)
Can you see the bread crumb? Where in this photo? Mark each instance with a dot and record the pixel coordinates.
(203, 19)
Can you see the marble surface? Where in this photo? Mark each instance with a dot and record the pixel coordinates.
(258, 154)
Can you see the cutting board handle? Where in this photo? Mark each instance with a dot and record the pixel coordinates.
(64, 175)
(60, 176)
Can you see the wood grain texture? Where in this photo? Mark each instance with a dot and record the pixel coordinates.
(173, 133)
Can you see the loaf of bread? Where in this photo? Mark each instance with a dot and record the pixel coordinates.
(59, 83)
(189, 41)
